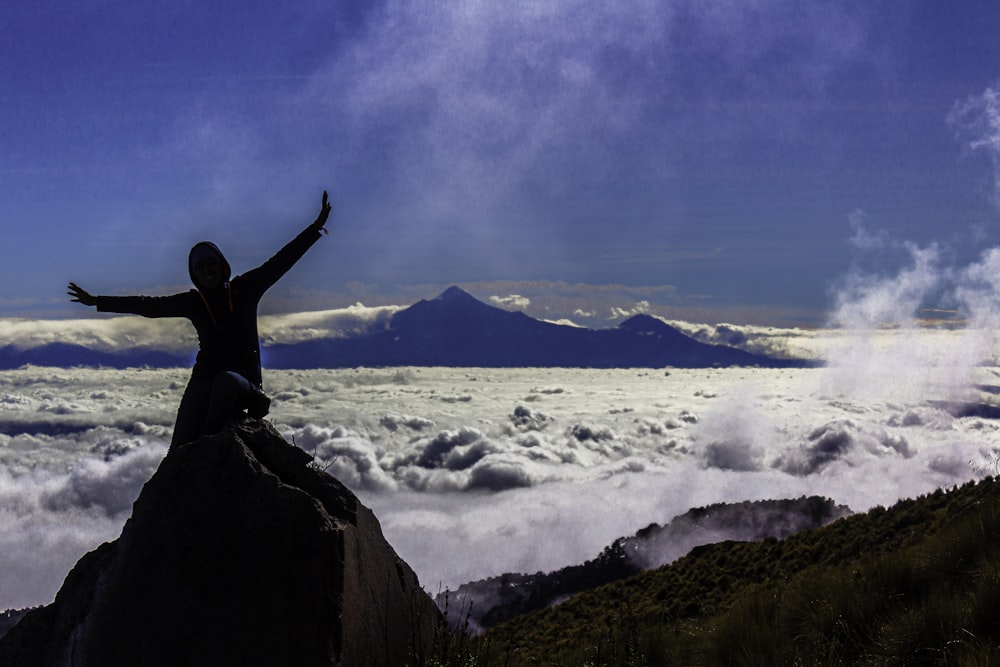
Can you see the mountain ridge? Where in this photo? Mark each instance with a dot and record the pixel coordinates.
(453, 329)
(456, 329)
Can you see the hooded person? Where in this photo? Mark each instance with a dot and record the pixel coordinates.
(226, 378)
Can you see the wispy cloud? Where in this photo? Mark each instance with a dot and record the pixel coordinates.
(867, 302)
(495, 97)
(453, 127)
(976, 122)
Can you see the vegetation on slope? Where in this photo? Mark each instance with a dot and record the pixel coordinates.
(918, 583)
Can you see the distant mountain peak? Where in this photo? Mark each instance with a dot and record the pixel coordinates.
(643, 322)
(452, 302)
(455, 293)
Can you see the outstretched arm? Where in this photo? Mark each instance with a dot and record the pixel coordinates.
(81, 295)
(178, 305)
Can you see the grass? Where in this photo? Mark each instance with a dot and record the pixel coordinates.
(915, 584)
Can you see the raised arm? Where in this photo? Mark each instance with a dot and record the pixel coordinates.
(270, 271)
(324, 213)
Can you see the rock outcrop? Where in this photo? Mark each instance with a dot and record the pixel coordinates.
(237, 553)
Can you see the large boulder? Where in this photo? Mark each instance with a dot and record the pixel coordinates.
(237, 553)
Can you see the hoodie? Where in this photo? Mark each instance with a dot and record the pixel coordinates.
(204, 249)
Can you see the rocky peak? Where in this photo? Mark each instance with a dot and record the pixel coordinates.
(455, 294)
(643, 322)
(237, 553)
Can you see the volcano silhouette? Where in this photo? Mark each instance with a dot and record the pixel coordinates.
(456, 329)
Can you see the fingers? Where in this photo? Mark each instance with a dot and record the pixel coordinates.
(80, 295)
(324, 213)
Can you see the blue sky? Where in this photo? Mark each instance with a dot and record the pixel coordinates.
(707, 157)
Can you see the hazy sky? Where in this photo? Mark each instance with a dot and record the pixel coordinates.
(703, 153)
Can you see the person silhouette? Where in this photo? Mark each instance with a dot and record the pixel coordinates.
(226, 378)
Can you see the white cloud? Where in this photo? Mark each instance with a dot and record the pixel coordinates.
(97, 485)
(866, 302)
(176, 335)
(49, 519)
(105, 334)
(563, 322)
(976, 121)
(298, 327)
(551, 463)
(640, 307)
(511, 301)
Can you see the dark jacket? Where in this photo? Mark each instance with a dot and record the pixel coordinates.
(225, 318)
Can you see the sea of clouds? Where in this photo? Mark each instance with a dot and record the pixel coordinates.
(475, 472)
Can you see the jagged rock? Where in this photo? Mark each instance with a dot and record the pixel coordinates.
(237, 553)
(9, 618)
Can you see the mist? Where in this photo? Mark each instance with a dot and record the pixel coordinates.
(476, 472)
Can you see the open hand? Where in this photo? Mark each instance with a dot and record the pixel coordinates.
(81, 295)
(324, 213)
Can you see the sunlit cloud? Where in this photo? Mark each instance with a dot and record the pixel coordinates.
(115, 334)
(105, 333)
(511, 301)
(340, 323)
(640, 307)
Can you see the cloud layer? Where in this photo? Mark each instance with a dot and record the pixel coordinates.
(475, 472)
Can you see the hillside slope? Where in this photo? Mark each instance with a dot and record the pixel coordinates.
(912, 584)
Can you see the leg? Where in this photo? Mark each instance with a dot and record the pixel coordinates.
(231, 394)
(191, 412)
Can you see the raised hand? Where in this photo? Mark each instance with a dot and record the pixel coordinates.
(324, 213)
(81, 295)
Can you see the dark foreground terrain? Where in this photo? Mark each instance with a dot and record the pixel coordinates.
(915, 584)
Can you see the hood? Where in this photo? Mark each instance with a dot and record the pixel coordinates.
(203, 249)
